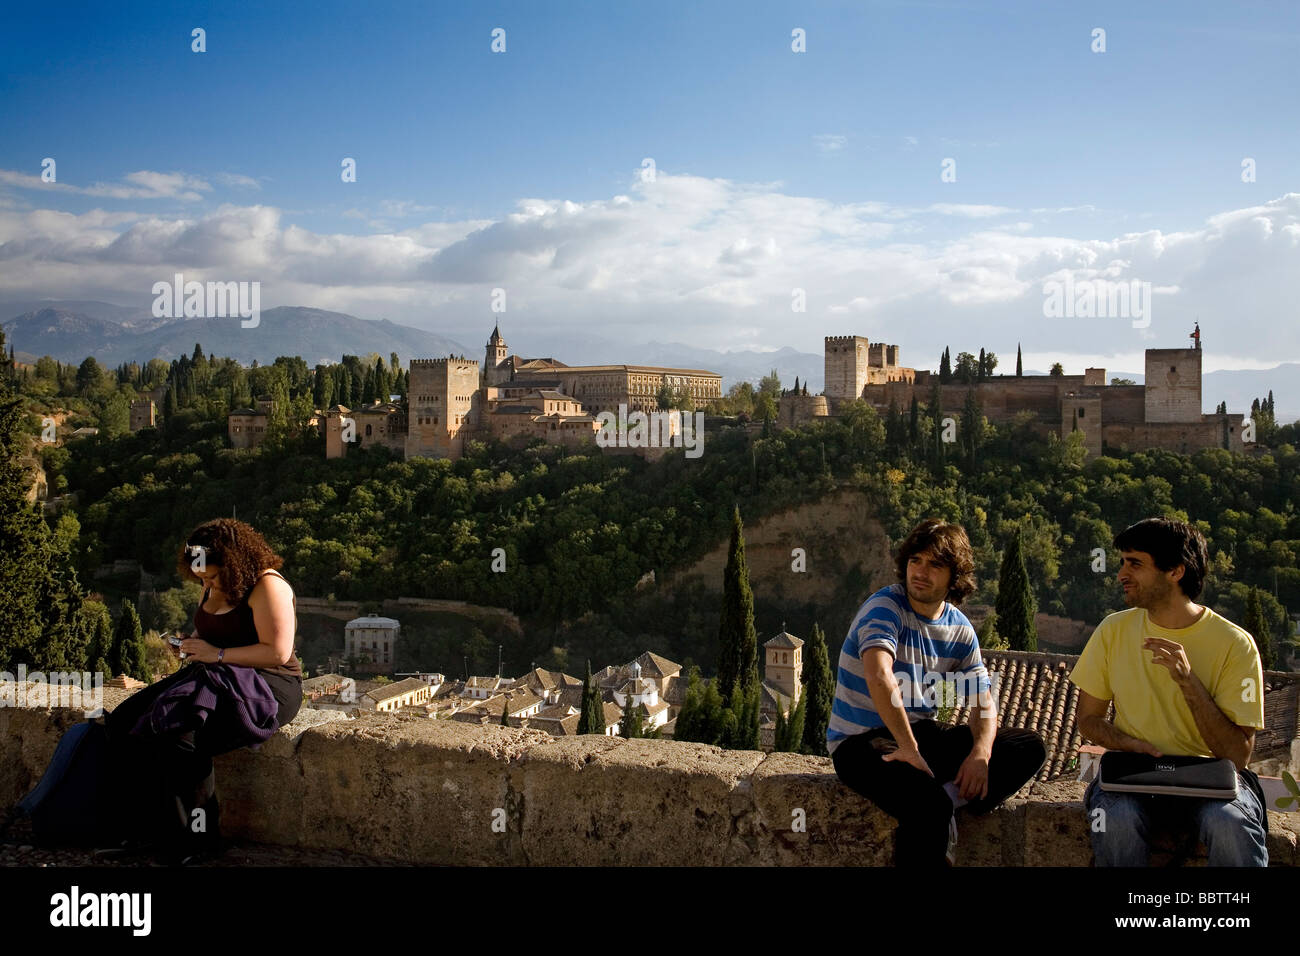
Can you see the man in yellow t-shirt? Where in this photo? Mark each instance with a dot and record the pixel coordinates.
(1185, 681)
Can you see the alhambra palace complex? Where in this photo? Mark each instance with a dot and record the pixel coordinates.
(1163, 413)
(513, 399)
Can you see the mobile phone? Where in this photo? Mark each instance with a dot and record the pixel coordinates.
(174, 641)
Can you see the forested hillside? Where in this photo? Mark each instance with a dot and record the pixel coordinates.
(579, 530)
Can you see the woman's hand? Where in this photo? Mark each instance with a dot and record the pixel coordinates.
(199, 650)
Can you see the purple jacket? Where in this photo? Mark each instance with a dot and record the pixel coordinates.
(237, 697)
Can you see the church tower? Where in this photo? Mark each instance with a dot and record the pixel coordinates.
(494, 357)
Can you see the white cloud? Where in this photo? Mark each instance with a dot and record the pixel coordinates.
(830, 142)
(969, 210)
(697, 259)
(237, 180)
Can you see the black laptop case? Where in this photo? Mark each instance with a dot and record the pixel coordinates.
(1123, 771)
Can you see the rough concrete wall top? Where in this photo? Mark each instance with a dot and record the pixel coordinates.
(441, 792)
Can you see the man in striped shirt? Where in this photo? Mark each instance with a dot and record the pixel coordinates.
(907, 644)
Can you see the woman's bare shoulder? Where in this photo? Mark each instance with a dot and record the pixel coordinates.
(271, 583)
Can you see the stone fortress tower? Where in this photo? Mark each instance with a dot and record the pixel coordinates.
(444, 404)
(846, 368)
(1173, 385)
(852, 362)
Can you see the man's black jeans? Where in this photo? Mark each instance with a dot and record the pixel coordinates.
(919, 802)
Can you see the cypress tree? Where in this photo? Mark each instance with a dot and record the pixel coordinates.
(592, 720)
(1257, 625)
(737, 639)
(630, 725)
(818, 693)
(935, 412)
(127, 653)
(101, 641)
(980, 369)
(1016, 605)
(971, 421)
(798, 720)
(505, 713)
(945, 367)
(895, 430)
(688, 718)
(1020, 368)
(781, 736)
(914, 422)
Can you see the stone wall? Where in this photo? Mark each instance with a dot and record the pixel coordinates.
(428, 791)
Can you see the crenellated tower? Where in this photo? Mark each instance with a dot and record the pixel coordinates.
(847, 361)
(443, 406)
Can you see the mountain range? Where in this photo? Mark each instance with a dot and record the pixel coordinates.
(114, 335)
(70, 330)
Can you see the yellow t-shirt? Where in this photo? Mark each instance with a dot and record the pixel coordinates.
(1148, 704)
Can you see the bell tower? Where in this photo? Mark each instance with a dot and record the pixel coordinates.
(493, 358)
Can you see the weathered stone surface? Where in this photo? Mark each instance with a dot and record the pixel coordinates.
(638, 803)
(843, 828)
(28, 736)
(425, 791)
(261, 792)
(422, 790)
(1056, 827)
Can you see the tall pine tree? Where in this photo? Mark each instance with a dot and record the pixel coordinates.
(630, 725)
(737, 638)
(1257, 624)
(592, 719)
(127, 654)
(818, 693)
(1016, 605)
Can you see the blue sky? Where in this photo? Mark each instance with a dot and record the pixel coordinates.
(478, 169)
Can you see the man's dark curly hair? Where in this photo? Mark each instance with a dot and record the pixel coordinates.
(236, 549)
(949, 544)
(1170, 543)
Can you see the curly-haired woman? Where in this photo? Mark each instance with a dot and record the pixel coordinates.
(166, 734)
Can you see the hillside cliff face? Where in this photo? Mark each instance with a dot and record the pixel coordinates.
(846, 554)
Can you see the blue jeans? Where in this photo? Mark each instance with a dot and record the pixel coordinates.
(1233, 831)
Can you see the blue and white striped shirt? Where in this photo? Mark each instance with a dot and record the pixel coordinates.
(925, 652)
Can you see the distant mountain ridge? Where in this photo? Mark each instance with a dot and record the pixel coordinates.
(317, 335)
(69, 330)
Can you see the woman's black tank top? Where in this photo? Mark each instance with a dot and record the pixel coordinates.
(235, 628)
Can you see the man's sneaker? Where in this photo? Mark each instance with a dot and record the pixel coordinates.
(951, 853)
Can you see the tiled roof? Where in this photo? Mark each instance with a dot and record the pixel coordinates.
(652, 665)
(785, 640)
(389, 691)
(555, 726)
(773, 699)
(1034, 692)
